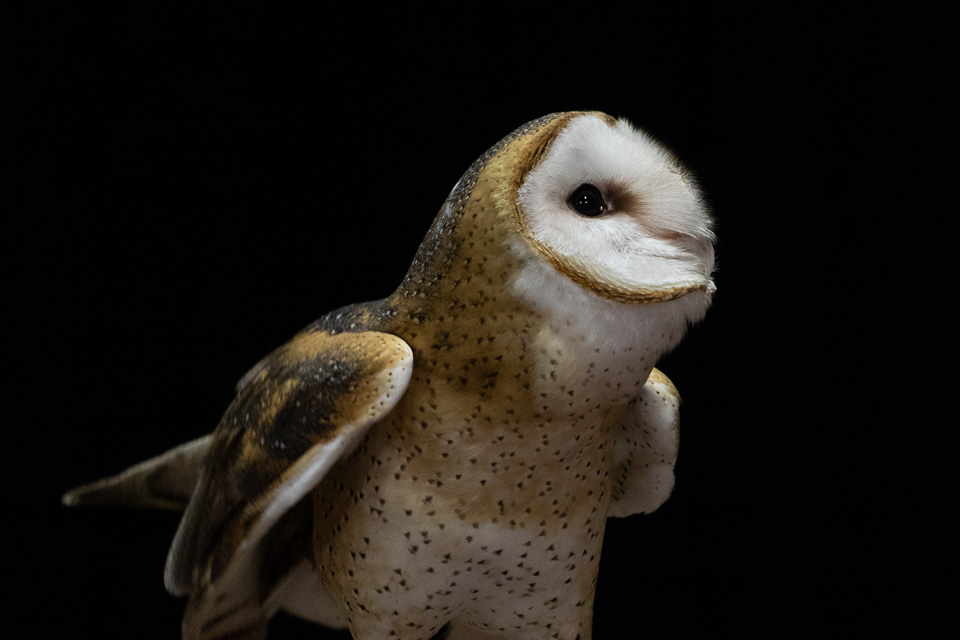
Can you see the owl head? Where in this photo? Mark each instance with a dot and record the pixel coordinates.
(615, 211)
(576, 205)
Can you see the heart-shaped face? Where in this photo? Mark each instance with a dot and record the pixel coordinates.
(613, 211)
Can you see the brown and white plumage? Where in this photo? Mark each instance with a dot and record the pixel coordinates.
(449, 455)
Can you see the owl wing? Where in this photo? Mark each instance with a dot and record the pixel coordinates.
(646, 449)
(163, 482)
(297, 413)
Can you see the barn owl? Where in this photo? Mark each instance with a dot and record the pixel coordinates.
(442, 462)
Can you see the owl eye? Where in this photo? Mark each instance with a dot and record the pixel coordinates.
(587, 201)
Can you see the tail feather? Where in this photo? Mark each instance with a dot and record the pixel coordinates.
(164, 482)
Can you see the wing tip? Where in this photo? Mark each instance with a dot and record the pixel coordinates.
(101, 493)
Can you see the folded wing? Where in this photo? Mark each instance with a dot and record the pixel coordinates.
(301, 410)
(646, 449)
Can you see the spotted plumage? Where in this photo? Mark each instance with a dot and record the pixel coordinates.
(444, 460)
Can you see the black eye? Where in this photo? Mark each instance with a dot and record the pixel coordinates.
(587, 201)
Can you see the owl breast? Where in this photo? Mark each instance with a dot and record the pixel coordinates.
(487, 487)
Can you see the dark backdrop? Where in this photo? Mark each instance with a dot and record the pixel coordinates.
(189, 189)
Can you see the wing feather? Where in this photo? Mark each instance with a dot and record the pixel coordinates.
(301, 410)
(646, 449)
(163, 482)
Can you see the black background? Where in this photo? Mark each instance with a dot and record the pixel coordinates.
(188, 189)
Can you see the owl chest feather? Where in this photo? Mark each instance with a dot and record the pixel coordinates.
(490, 480)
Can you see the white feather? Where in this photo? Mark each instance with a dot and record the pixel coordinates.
(660, 235)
